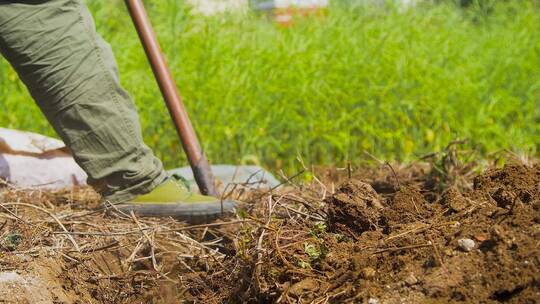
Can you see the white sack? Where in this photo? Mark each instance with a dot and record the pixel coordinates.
(32, 160)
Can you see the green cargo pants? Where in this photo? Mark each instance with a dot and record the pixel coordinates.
(72, 75)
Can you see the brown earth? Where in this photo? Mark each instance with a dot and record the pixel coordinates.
(384, 235)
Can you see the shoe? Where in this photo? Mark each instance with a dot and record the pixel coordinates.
(174, 199)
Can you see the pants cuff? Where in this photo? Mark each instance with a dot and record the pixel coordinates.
(127, 194)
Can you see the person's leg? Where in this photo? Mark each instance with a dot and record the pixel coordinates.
(71, 73)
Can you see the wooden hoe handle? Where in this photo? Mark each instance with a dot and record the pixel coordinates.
(198, 161)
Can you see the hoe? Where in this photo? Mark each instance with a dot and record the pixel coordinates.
(196, 157)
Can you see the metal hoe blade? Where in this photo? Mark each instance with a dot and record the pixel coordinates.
(197, 160)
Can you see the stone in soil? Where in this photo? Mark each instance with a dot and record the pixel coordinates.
(466, 244)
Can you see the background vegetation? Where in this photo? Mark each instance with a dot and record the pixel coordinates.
(396, 83)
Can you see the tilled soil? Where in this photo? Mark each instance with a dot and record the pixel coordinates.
(415, 234)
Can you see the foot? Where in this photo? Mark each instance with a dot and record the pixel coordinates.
(174, 199)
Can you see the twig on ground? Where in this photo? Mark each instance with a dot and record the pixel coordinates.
(394, 174)
(108, 246)
(278, 251)
(150, 242)
(437, 253)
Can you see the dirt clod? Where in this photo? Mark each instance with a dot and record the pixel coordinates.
(454, 200)
(355, 208)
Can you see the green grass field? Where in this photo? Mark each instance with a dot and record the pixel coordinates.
(394, 83)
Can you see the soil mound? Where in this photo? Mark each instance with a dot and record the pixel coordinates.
(424, 254)
(400, 236)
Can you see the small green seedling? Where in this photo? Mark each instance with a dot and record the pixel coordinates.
(12, 240)
(318, 230)
(315, 252)
(304, 264)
